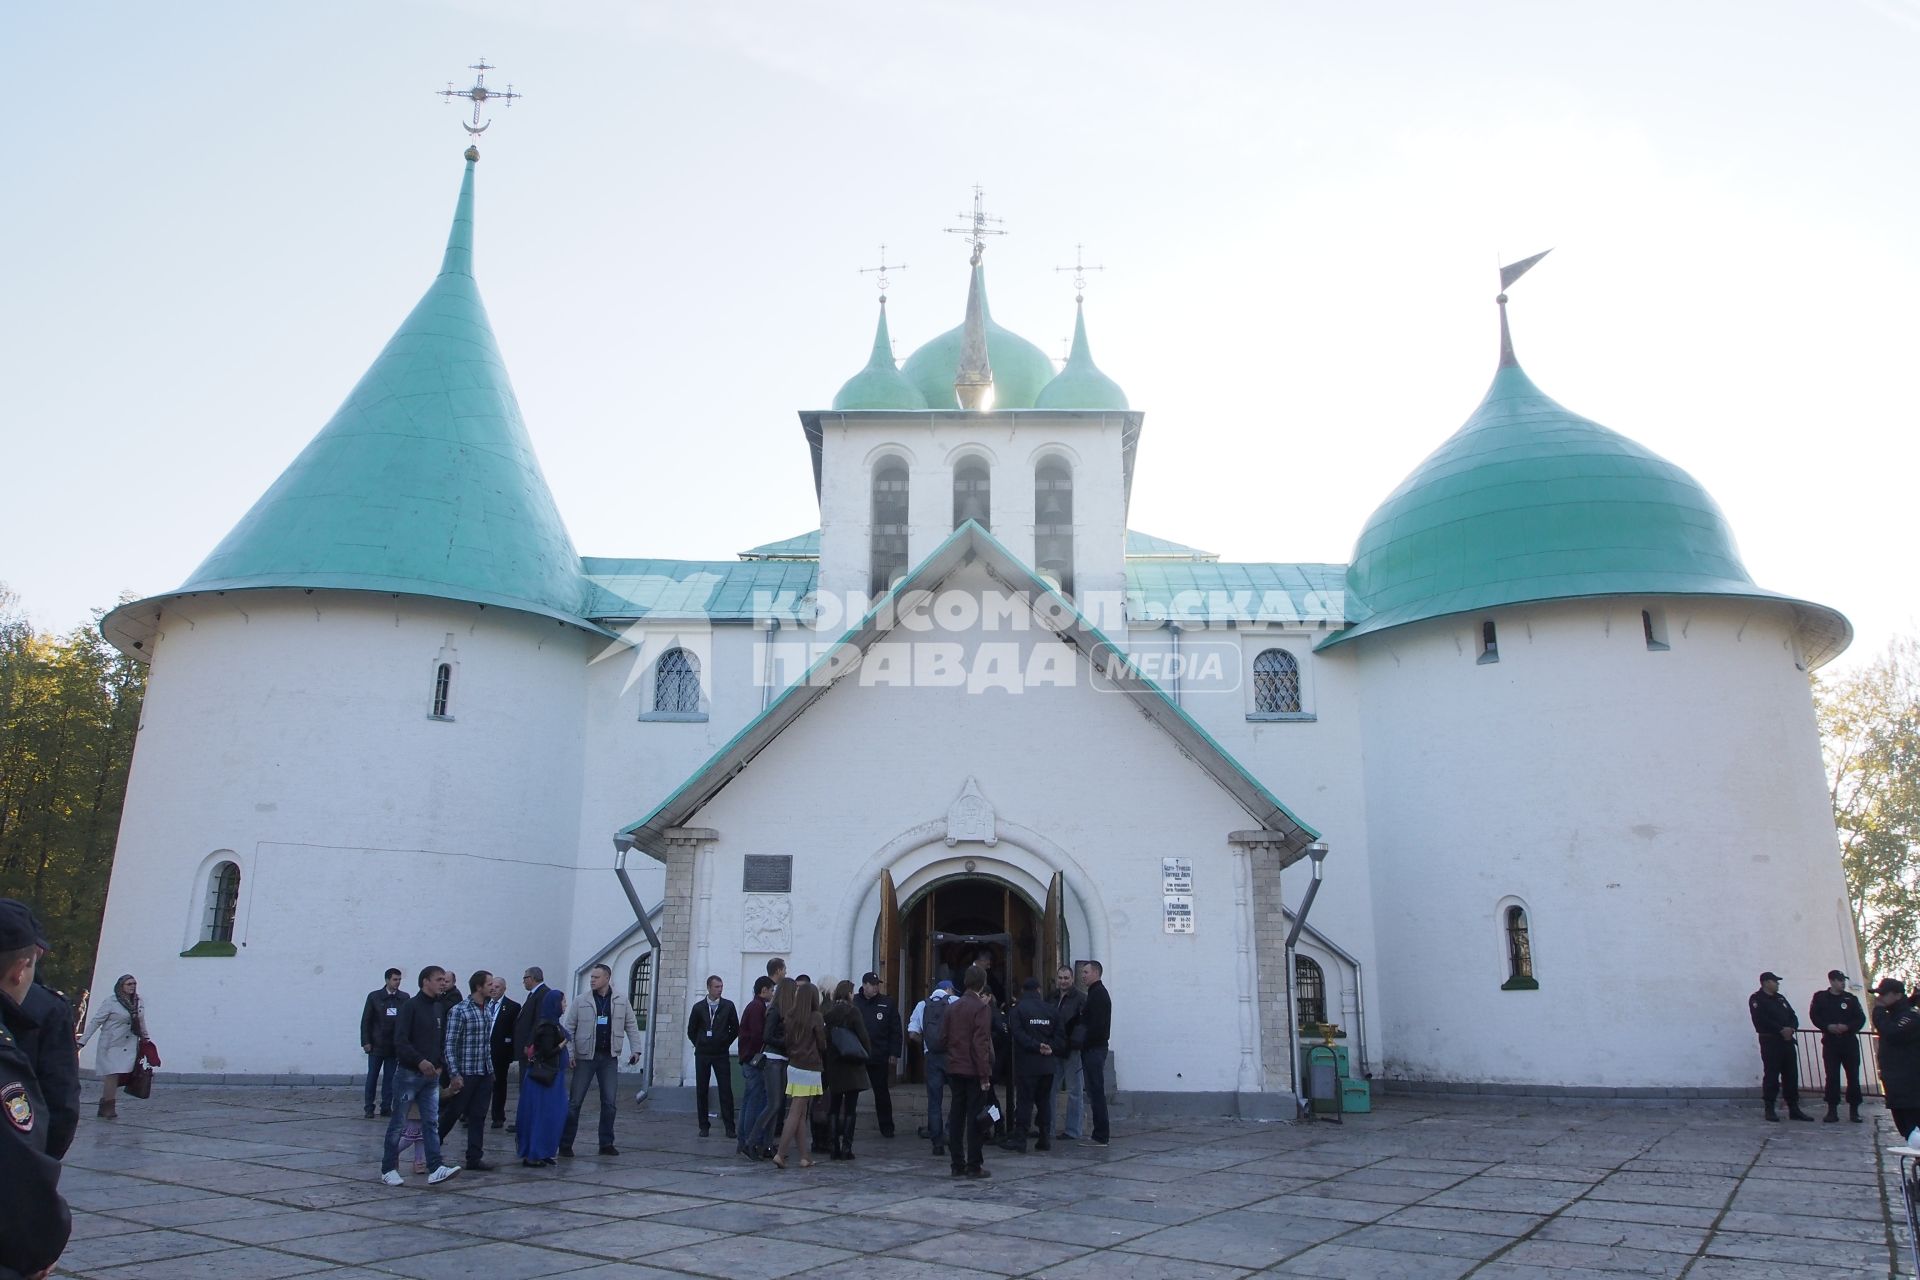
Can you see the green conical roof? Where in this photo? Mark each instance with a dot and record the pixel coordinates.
(424, 482)
(1081, 385)
(879, 385)
(1020, 369)
(1529, 501)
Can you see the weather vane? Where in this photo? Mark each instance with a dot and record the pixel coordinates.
(1080, 269)
(881, 273)
(480, 95)
(976, 231)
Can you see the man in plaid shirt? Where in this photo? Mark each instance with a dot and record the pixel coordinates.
(470, 1067)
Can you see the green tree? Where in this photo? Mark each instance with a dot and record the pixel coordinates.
(1870, 736)
(69, 710)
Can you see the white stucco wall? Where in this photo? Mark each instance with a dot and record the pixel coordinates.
(293, 729)
(1661, 815)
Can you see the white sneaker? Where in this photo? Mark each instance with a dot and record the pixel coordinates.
(393, 1179)
(444, 1172)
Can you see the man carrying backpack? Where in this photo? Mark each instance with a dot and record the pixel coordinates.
(928, 1028)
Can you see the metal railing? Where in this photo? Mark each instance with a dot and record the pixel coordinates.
(1813, 1067)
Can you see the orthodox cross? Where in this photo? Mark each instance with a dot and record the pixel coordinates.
(1080, 269)
(977, 229)
(479, 94)
(881, 272)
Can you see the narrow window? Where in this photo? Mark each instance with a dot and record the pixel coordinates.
(887, 555)
(1489, 643)
(1519, 953)
(1653, 624)
(1309, 992)
(676, 683)
(442, 687)
(973, 493)
(639, 985)
(223, 900)
(1276, 682)
(1053, 523)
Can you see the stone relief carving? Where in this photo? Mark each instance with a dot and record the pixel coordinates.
(970, 817)
(769, 922)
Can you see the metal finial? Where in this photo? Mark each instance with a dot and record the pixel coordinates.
(479, 95)
(1080, 269)
(1508, 274)
(977, 229)
(880, 272)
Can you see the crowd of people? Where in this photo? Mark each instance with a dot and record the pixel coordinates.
(1839, 1017)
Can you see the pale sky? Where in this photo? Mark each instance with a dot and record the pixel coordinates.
(216, 214)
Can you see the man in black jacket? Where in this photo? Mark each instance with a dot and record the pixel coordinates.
(420, 1043)
(1069, 1003)
(1837, 1012)
(377, 1018)
(1898, 1021)
(1775, 1022)
(1098, 1021)
(883, 1034)
(34, 1220)
(713, 1025)
(41, 1021)
(503, 1012)
(1036, 1043)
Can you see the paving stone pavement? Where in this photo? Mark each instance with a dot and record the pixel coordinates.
(258, 1183)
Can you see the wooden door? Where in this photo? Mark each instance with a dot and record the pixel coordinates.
(889, 937)
(1050, 931)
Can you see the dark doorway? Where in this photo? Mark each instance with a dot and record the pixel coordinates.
(947, 926)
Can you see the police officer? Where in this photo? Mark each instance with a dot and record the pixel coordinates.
(1775, 1022)
(1839, 1015)
(1037, 1040)
(1897, 1021)
(41, 1022)
(34, 1220)
(884, 1032)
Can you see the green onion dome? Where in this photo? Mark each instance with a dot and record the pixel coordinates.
(1081, 385)
(880, 385)
(1020, 369)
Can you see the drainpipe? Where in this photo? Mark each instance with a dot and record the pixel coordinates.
(1359, 991)
(1317, 852)
(766, 679)
(622, 846)
(1173, 668)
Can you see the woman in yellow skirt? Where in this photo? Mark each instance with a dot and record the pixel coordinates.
(806, 1057)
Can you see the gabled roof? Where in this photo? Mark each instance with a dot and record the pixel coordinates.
(968, 544)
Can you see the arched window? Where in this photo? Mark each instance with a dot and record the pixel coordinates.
(1276, 682)
(640, 987)
(887, 556)
(1309, 992)
(676, 684)
(442, 688)
(973, 493)
(1489, 642)
(1053, 523)
(223, 900)
(1519, 952)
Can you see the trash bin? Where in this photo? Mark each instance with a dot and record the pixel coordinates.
(1323, 1080)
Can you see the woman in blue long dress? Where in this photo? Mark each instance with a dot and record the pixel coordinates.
(542, 1110)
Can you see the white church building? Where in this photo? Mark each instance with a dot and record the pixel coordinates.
(1551, 749)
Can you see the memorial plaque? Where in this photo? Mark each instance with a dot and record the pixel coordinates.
(768, 873)
(1179, 907)
(1176, 875)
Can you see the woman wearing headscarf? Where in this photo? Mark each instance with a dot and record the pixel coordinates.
(120, 1025)
(844, 1077)
(806, 1038)
(542, 1112)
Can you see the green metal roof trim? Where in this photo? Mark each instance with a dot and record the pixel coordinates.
(1529, 501)
(730, 590)
(424, 482)
(806, 546)
(1202, 591)
(1020, 369)
(1081, 385)
(960, 548)
(880, 385)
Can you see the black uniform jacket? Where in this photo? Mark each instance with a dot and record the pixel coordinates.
(34, 1221)
(42, 1025)
(1828, 1008)
(1034, 1025)
(1770, 1013)
(1899, 1028)
(504, 1023)
(726, 1028)
(378, 1018)
(883, 1024)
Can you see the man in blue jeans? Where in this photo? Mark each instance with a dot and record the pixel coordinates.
(420, 1045)
(1068, 1006)
(1098, 1020)
(594, 1026)
(927, 1028)
(753, 1099)
(377, 1019)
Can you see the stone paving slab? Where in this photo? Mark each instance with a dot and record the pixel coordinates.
(278, 1183)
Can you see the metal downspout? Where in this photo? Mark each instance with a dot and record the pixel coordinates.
(622, 846)
(1359, 986)
(766, 679)
(1318, 853)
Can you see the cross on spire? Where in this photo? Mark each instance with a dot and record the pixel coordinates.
(479, 95)
(880, 272)
(1080, 269)
(977, 229)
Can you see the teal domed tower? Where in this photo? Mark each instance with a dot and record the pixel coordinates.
(880, 385)
(1020, 369)
(1081, 385)
(1529, 501)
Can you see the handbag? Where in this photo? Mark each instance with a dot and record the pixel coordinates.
(846, 1045)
